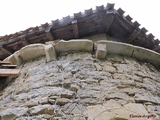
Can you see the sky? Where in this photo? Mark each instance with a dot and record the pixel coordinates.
(17, 15)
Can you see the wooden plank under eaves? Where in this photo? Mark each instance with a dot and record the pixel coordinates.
(9, 72)
(4, 63)
(9, 66)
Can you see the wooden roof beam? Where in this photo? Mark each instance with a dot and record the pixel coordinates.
(24, 41)
(157, 42)
(75, 28)
(157, 48)
(49, 33)
(110, 15)
(6, 50)
(132, 36)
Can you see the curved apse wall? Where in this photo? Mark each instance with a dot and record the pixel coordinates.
(82, 79)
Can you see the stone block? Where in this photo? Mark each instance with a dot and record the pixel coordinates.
(101, 51)
(50, 52)
(132, 51)
(31, 51)
(12, 113)
(109, 69)
(117, 47)
(112, 110)
(14, 59)
(98, 67)
(74, 45)
(63, 101)
(41, 109)
(146, 55)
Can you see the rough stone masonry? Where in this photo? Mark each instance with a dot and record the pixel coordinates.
(78, 86)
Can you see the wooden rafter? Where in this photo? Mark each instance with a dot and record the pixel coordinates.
(25, 41)
(110, 15)
(3, 48)
(132, 36)
(49, 34)
(75, 28)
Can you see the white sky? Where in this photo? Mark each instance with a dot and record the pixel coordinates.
(17, 15)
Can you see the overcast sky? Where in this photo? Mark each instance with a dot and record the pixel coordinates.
(17, 15)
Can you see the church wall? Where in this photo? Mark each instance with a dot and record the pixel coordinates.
(77, 85)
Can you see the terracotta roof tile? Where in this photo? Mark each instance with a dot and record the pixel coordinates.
(77, 15)
(89, 11)
(150, 36)
(99, 8)
(136, 24)
(128, 18)
(44, 25)
(6, 37)
(110, 6)
(120, 11)
(144, 30)
(55, 22)
(35, 28)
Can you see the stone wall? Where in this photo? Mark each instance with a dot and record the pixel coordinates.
(78, 86)
(82, 80)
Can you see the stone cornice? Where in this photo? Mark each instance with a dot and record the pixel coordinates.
(52, 50)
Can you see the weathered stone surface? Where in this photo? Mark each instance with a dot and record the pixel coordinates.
(41, 109)
(146, 55)
(50, 52)
(153, 109)
(117, 47)
(35, 117)
(114, 111)
(101, 51)
(146, 97)
(12, 113)
(73, 108)
(32, 102)
(31, 51)
(109, 69)
(15, 60)
(52, 100)
(74, 87)
(44, 100)
(79, 86)
(133, 51)
(98, 67)
(62, 101)
(74, 45)
(117, 95)
(115, 58)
